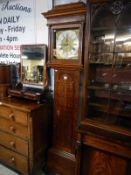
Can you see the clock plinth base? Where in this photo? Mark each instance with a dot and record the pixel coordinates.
(61, 162)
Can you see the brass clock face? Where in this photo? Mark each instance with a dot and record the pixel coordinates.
(67, 44)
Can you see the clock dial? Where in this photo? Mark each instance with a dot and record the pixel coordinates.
(67, 44)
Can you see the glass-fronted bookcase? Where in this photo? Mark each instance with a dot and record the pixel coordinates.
(104, 125)
(109, 65)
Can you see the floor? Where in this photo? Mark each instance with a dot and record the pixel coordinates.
(6, 171)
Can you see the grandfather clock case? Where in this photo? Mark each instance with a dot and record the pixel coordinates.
(66, 26)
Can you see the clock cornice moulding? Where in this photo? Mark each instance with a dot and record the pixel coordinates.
(65, 10)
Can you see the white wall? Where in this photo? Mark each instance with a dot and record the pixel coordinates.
(41, 27)
(34, 23)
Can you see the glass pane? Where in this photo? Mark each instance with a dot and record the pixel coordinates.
(100, 69)
(66, 46)
(123, 40)
(102, 17)
(109, 82)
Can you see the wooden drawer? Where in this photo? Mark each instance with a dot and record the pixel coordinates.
(14, 114)
(14, 143)
(13, 128)
(14, 160)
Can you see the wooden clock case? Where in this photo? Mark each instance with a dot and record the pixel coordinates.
(67, 74)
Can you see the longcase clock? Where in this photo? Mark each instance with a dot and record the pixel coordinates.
(66, 28)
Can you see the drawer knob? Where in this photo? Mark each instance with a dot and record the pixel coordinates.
(11, 116)
(12, 144)
(12, 128)
(65, 77)
(12, 160)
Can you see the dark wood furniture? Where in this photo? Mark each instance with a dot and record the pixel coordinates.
(24, 127)
(63, 22)
(104, 132)
(5, 79)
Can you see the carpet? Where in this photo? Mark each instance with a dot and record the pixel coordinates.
(6, 171)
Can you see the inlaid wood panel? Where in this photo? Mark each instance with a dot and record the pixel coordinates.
(96, 162)
(66, 101)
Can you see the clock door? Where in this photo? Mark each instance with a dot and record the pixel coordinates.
(61, 157)
(66, 92)
(66, 45)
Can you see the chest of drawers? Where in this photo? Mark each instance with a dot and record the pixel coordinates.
(23, 134)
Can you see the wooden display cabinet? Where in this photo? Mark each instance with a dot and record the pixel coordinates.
(105, 127)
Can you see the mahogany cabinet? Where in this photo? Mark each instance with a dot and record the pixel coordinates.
(104, 132)
(24, 131)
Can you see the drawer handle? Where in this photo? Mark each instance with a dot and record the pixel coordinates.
(11, 116)
(12, 160)
(12, 144)
(12, 128)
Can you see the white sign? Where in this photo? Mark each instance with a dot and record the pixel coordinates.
(17, 26)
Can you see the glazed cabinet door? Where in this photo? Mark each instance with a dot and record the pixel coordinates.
(105, 127)
(109, 68)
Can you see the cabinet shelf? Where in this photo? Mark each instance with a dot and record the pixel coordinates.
(115, 28)
(112, 110)
(100, 29)
(110, 53)
(117, 95)
(114, 88)
(125, 63)
(110, 127)
(100, 63)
